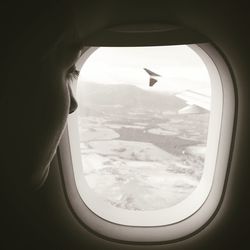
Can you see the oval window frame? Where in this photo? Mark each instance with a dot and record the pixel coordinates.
(190, 221)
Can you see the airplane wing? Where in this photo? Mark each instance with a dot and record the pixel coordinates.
(195, 97)
(152, 77)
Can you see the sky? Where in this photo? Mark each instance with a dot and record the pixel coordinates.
(179, 66)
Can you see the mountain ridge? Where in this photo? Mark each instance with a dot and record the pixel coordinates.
(129, 96)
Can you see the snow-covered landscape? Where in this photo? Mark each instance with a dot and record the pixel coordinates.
(138, 152)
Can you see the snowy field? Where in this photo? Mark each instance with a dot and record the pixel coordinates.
(138, 151)
(142, 165)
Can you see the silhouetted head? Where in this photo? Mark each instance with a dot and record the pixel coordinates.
(40, 68)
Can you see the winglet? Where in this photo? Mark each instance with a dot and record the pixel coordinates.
(152, 75)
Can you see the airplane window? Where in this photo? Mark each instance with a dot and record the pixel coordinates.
(143, 123)
(149, 144)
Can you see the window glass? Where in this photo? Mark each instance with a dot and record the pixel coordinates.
(143, 124)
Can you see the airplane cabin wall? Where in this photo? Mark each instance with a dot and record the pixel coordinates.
(226, 27)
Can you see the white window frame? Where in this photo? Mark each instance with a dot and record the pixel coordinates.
(187, 216)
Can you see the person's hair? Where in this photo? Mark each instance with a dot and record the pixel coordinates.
(54, 23)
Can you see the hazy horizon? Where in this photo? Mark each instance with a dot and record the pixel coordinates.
(179, 66)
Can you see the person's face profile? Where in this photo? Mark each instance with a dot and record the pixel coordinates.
(45, 101)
